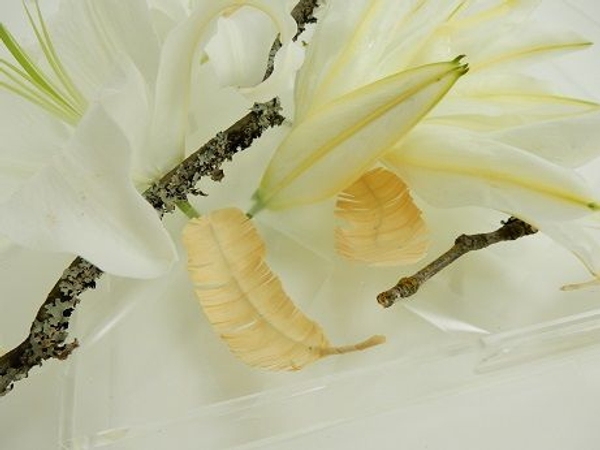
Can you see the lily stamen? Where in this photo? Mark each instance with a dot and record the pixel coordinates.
(28, 80)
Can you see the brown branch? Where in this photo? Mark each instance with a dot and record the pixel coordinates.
(512, 229)
(49, 331)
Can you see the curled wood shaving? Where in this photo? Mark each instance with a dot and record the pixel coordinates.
(383, 225)
(245, 302)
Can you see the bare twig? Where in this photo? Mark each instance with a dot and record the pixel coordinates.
(48, 334)
(512, 229)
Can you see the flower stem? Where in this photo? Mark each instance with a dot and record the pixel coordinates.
(186, 207)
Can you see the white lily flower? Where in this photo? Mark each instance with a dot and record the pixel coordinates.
(97, 118)
(497, 139)
(347, 100)
(507, 141)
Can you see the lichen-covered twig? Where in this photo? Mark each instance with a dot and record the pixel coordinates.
(48, 334)
(512, 229)
(180, 182)
(303, 14)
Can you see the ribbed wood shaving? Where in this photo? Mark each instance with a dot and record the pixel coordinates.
(384, 226)
(245, 302)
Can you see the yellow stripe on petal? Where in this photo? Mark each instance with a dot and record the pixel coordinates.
(332, 147)
(359, 42)
(497, 111)
(450, 167)
(384, 226)
(528, 46)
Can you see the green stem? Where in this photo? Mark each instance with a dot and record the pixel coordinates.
(186, 208)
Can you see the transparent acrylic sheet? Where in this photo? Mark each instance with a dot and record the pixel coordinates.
(151, 374)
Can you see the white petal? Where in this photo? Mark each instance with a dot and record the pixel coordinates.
(166, 14)
(571, 141)
(240, 49)
(413, 35)
(84, 203)
(524, 113)
(450, 167)
(513, 39)
(529, 45)
(166, 145)
(333, 146)
(497, 111)
(125, 100)
(359, 42)
(582, 237)
(92, 35)
(502, 83)
(23, 152)
(337, 22)
(287, 62)
(468, 31)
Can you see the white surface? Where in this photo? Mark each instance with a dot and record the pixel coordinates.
(151, 375)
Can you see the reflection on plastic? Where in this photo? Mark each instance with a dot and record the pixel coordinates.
(284, 414)
(541, 340)
(442, 321)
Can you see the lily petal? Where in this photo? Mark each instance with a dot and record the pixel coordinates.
(452, 167)
(582, 237)
(105, 26)
(240, 49)
(23, 153)
(513, 41)
(527, 46)
(166, 14)
(493, 107)
(126, 101)
(524, 113)
(570, 141)
(84, 203)
(347, 55)
(333, 146)
(468, 31)
(166, 144)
